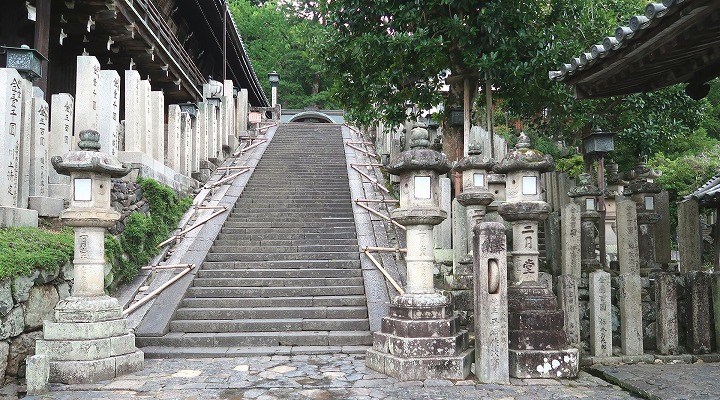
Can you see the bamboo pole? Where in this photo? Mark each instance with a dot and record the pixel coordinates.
(371, 179)
(390, 249)
(248, 148)
(368, 165)
(385, 273)
(235, 167)
(208, 207)
(169, 266)
(370, 154)
(383, 216)
(359, 142)
(157, 291)
(376, 201)
(223, 180)
(196, 225)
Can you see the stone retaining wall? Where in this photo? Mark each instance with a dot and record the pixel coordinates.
(126, 197)
(24, 303)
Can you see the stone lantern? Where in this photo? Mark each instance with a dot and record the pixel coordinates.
(420, 338)
(586, 195)
(537, 341)
(88, 339)
(615, 187)
(642, 190)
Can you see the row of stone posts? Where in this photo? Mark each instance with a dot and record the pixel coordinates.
(170, 143)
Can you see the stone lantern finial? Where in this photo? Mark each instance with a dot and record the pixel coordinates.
(89, 140)
(523, 142)
(419, 138)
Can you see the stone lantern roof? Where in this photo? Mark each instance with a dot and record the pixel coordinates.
(474, 160)
(523, 157)
(89, 158)
(586, 187)
(419, 157)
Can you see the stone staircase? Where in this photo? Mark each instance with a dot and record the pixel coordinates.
(285, 270)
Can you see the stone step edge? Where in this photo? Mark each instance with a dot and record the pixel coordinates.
(248, 351)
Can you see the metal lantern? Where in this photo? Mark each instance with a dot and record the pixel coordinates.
(274, 78)
(190, 108)
(27, 61)
(599, 142)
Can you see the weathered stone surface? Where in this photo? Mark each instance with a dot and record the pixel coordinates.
(571, 240)
(421, 347)
(71, 372)
(570, 304)
(39, 306)
(631, 327)
(663, 231)
(627, 232)
(80, 331)
(6, 298)
(699, 297)
(600, 314)
(21, 347)
(689, 240)
(13, 323)
(491, 317)
(459, 234)
(87, 309)
(421, 368)
(37, 374)
(666, 323)
(21, 286)
(4, 352)
(544, 364)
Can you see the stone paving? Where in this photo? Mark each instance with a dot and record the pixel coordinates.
(321, 377)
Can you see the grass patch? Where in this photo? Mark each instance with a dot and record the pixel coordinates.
(137, 244)
(24, 249)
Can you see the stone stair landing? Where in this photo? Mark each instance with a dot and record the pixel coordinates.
(283, 276)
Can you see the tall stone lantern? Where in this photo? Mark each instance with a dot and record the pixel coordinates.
(642, 190)
(420, 338)
(586, 195)
(537, 341)
(88, 339)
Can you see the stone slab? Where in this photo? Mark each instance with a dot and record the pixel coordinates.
(544, 363)
(11, 216)
(84, 331)
(407, 369)
(37, 375)
(46, 206)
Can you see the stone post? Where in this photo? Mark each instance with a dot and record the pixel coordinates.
(716, 307)
(540, 352)
(10, 132)
(663, 232)
(146, 112)
(642, 190)
(491, 315)
(585, 195)
(88, 339)
(243, 111)
(26, 127)
(459, 235)
(666, 306)
(133, 138)
(109, 111)
(689, 238)
(157, 125)
(39, 199)
(212, 135)
(568, 293)
(186, 143)
(630, 303)
(60, 141)
(86, 93)
(420, 339)
(615, 187)
(443, 233)
(174, 142)
(699, 298)
(570, 240)
(600, 314)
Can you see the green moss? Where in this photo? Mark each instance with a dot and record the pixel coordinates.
(137, 244)
(24, 249)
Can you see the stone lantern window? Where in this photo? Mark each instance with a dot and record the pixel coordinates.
(530, 185)
(82, 189)
(590, 204)
(649, 203)
(479, 180)
(423, 188)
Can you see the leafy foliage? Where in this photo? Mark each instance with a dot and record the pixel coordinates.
(138, 242)
(284, 43)
(24, 249)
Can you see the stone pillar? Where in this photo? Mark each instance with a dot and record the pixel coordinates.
(540, 352)
(666, 311)
(628, 254)
(25, 146)
(615, 187)
(228, 104)
(174, 139)
(203, 130)
(568, 294)
(60, 141)
(88, 340)
(109, 111)
(630, 303)
(420, 339)
(491, 315)
(689, 238)
(212, 135)
(186, 143)
(459, 234)
(146, 112)
(39, 199)
(643, 190)
(442, 233)
(571, 240)
(585, 195)
(600, 314)
(699, 297)
(133, 112)
(243, 111)
(157, 125)
(716, 307)
(87, 80)
(10, 132)
(663, 232)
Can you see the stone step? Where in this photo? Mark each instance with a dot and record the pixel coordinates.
(291, 217)
(284, 249)
(282, 264)
(247, 205)
(240, 234)
(270, 325)
(297, 291)
(282, 256)
(223, 241)
(330, 224)
(335, 232)
(278, 273)
(279, 282)
(212, 313)
(233, 339)
(308, 301)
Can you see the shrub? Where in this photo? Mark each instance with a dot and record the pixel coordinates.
(24, 249)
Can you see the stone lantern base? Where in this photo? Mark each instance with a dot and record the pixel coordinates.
(537, 341)
(421, 339)
(88, 341)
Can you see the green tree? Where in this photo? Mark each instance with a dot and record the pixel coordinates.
(284, 43)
